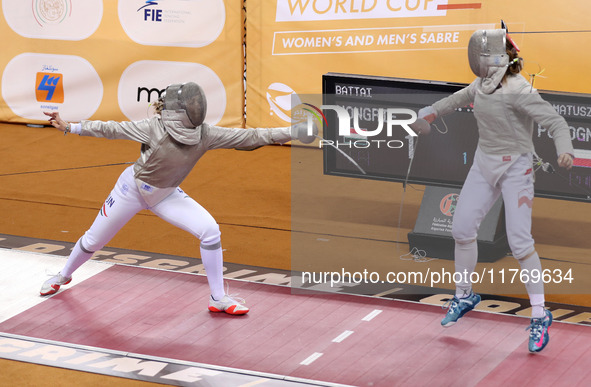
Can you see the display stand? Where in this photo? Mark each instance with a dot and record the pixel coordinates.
(432, 231)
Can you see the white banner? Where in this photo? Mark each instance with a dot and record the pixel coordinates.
(49, 82)
(178, 23)
(137, 89)
(53, 19)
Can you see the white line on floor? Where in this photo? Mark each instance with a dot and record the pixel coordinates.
(310, 359)
(342, 336)
(370, 316)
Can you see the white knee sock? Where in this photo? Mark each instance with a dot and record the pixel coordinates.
(213, 261)
(535, 289)
(78, 256)
(466, 256)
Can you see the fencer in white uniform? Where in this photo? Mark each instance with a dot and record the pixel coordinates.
(505, 107)
(172, 143)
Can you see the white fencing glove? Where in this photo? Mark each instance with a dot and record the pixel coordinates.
(428, 114)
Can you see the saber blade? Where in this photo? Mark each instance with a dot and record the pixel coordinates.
(344, 154)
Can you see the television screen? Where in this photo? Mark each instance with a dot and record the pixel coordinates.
(443, 157)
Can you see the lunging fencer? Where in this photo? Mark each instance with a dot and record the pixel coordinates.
(172, 143)
(506, 107)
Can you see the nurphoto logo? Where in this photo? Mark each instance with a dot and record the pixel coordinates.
(355, 136)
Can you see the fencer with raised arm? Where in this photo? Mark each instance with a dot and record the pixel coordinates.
(171, 144)
(506, 107)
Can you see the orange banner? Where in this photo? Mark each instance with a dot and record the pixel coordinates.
(292, 43)
(109, 60)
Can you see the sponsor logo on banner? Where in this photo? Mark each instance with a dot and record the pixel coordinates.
(35, 83)
(152, 94)
(448, 204)
(53, 19)
(314, 112)
(178, 23)
(279, 97)
(50, 87)
(148, 95)
(314, 10)
(150, 12)
(135, 94)
(51, 11)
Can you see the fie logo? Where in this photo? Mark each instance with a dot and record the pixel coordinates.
(50, 87)
(151, 14)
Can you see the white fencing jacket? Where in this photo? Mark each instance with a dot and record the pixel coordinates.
(506, 116)
(505, 121)
(165, 162)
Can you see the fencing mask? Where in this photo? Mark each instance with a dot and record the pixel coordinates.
(185, 103)
(488, 57)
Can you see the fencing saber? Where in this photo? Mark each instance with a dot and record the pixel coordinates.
(504, 26)
(420, 126)
(415, 254)
(318, 114)
(343, 153)
(549, 168)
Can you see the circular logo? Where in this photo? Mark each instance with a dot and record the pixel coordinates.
(53, 19)
(51, 11)
(279, 97)
(448, 204)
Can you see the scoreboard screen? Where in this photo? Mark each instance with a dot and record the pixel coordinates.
(443, 157)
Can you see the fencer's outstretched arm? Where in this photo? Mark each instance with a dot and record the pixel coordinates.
(218, 137)
(448, 104)
(127, 130)
(458, 99)
(211, 136)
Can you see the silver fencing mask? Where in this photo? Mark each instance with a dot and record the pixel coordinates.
(185, 103)
(488, 57)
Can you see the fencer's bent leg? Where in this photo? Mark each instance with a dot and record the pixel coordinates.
(476, 199)
(182, 211)
(121, 205)
(518, 193)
